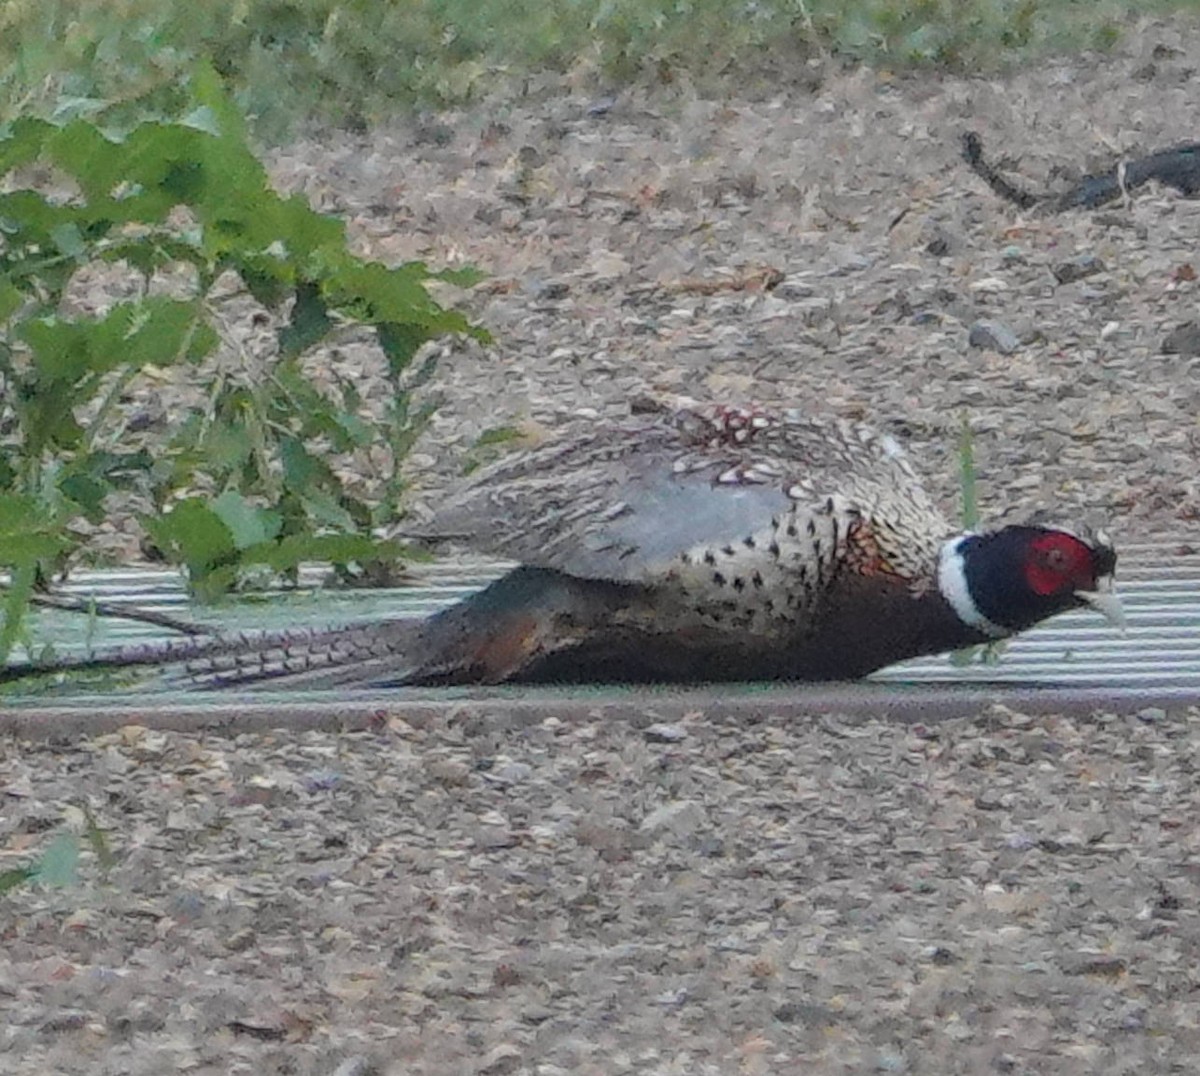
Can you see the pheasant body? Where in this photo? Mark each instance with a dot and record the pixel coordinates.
(728, 544)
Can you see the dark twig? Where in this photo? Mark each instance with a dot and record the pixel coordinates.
(123, 612)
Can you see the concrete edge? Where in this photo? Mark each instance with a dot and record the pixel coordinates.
(357, 713)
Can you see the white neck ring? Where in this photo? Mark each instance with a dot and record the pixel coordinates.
(952, 582)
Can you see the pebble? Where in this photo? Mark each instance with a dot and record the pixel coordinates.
(501, 1059)
(993, 336)
(1183, 340)
(792, 288)
(509, 773)
(356, 1066)
(681, 818)
(662, 733)
(1077, 268)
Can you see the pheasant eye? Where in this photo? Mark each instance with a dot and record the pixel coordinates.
(1055, 558)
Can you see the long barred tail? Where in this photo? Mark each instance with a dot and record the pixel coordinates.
(507, 631)
(302, 658)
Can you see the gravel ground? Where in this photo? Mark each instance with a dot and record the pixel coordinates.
(1000, 894)
(628, 251)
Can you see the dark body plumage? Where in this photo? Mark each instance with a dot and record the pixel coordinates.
(694, 545)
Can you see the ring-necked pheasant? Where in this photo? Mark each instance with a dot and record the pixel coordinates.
(695, 545)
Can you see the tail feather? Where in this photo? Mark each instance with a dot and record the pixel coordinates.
(356, 656)
(291, 658)
(528, 620)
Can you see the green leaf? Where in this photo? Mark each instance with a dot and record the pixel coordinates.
(194, 535)
(338, 549)
(497, 435)
(17, 876)
(59, 865)
(224, 447)
(87, 492)
(204, 119)
(399, 343)
(20, 587)
(11, 299)
(466, 277)
(210, 92)
(302, 471)
(67, 237)
(21, 142)
(325, 509)
(249, 525)
(358, 431)
(157, 330)
(98, 841)
(309, 323)
(28, 530)
(96, 161)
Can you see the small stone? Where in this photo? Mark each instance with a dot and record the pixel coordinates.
(433, 134)
(509, 773)
(1094, 964)
(793, 288)
(804, 1012)
(241, 940)
(1151, 714)
(853, 262)
(1183, 340)
(602, 106)
(495, 839)
(988, 801)
(321, 780)
(500, 1060)
(67, 1020)
(449, 771)
(660, 733)
(356, 1066)
(548, 290)
(681, 818)
(993, 336)
(534, 1015)
(1077, 268)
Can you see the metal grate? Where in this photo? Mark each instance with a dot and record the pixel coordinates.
(1159, 650)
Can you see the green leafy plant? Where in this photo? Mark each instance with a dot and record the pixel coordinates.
(244, 483)
(58, 865)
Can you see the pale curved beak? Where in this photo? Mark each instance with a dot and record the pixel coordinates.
(1105, 601)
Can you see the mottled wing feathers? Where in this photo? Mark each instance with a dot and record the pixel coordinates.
(623, 501)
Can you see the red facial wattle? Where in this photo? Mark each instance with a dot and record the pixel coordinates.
(1059, 562)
